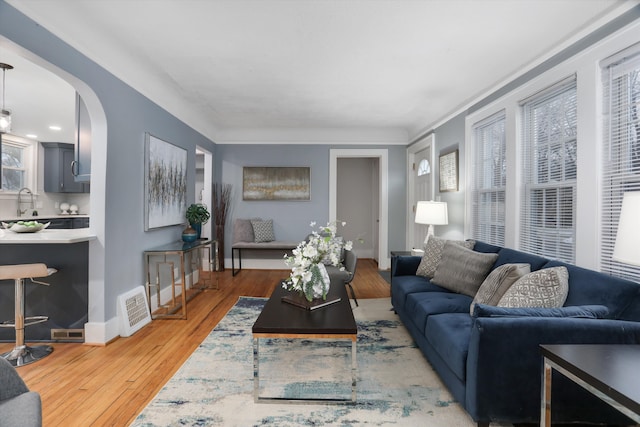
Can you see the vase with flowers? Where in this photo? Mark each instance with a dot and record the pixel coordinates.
(309, 275)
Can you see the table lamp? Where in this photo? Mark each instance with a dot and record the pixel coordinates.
(626, 248)
(431, 213)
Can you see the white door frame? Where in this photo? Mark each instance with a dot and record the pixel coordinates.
(429, 140)
(383, 214)
(207, 229)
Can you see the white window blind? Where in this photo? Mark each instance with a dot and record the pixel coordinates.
(489, 179)
(621, 151)
(549, 154)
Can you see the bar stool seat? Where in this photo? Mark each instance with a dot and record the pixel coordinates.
(21, 353)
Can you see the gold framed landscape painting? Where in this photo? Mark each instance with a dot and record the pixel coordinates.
(276, 183)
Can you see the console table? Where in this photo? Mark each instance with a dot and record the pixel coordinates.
(609, 371)
(176, 309)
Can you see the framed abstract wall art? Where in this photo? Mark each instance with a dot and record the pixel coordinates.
(165, 183)
(276, 183)
(449, 171)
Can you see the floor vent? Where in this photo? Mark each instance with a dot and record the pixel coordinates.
(75, 335)
(133, 311)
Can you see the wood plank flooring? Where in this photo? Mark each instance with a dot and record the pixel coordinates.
(82, 385)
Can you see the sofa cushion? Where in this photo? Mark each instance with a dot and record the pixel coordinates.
(497, 283)
(462, 270)
(511, 256)
(449, 334)
(621, 296)
(433, 254)
(263, 230)
(406, 285)
(582, 311)
(421, 305)
(547, 287)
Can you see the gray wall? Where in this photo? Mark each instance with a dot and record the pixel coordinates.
(448, 137)
(128, 116)
(291, 219)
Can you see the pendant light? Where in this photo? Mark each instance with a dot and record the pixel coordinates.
(5, 115)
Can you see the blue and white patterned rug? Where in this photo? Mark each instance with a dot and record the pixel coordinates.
(396, 385)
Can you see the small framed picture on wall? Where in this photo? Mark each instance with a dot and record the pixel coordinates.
(449, 171)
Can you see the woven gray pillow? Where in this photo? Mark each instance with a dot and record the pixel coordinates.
(263, 230)
(546, 288)
(497, 283)
(243, 230)
(462, 270)
(433, 254)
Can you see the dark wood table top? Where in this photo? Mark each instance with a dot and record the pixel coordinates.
(612, 369)
(279, 317)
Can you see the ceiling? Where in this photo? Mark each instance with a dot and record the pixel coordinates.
(307, 70)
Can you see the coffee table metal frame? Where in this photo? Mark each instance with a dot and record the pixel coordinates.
(306, 332)
(577, 370)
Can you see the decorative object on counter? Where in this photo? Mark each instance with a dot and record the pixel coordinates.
(5, 115)
(25, 226)
(64, 208)
(197, 214)
(73, 209)
(309, 275)
(189, 235)
(165, 184)
(221, 202)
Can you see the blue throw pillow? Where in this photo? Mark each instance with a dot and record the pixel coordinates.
(579, 311)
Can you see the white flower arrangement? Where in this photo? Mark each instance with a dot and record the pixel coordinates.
(308, 273)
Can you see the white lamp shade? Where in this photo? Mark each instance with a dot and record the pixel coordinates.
(5, 121)
(626, 249)
(432, 213)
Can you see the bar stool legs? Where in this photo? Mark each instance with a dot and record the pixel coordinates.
(21, 353)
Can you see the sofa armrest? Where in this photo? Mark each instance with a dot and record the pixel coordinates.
(405, 265)
(504, 364)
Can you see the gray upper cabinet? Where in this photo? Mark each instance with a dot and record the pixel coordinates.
(58, 163)
(82, 160)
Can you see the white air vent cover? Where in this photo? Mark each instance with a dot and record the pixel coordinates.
(133, 311)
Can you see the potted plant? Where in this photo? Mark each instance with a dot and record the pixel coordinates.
(197, 214)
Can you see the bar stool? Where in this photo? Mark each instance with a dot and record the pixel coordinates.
(21, 353)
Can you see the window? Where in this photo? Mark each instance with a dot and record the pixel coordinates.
(489, 180)
(549, 155)
(424, 168)
(17, 165)
(621, 150)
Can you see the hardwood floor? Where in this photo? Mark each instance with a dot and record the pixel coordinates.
(83, 385)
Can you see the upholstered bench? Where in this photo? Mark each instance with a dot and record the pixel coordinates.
(255, 234)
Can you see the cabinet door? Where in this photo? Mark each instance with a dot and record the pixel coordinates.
(82, 161)
(69, 184)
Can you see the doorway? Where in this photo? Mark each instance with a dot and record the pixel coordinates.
(203, 182)
(420, 186)
(377, 204)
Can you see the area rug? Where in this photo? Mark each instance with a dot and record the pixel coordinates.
(396, 385)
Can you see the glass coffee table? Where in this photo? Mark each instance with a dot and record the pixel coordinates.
(279, 319)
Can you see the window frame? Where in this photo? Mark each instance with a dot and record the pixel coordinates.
(30, 156)
(542, 231)
(496, 211)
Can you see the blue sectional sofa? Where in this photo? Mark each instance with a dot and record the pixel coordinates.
(490, 360)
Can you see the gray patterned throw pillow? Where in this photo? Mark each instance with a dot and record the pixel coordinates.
(548, 288)
(433, 254)
(263, 230)
(462, 270)
(497, 283)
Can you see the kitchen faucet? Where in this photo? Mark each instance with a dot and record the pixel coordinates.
(26, 190)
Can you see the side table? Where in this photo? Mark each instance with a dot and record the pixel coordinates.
(176, 309)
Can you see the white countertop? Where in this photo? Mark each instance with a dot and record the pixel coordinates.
(40, 218)
(47, 236)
